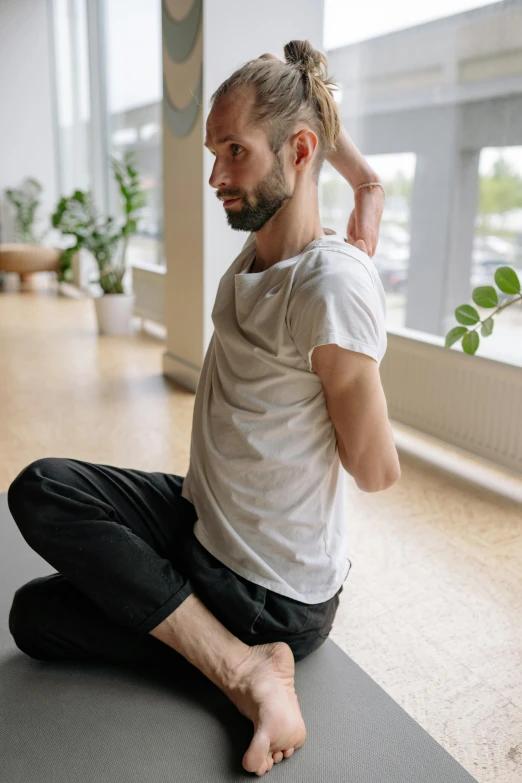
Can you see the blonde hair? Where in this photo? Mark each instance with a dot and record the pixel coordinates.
(286, 93)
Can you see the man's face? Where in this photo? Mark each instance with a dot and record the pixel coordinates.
(248, 177)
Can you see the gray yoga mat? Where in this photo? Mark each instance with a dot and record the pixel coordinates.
(96, 723)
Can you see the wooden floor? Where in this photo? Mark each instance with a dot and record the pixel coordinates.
(432, 608)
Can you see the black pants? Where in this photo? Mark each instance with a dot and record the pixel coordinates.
(126, 557)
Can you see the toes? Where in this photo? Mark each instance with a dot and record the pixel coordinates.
(263, 768)
(257, 753)
(274, 758)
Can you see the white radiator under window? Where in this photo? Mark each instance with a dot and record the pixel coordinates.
(471, 402)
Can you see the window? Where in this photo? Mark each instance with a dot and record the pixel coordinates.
(72, 94)
(393, 249)
(123, 113)
(498, 242)
(431, 94)
(134, 95)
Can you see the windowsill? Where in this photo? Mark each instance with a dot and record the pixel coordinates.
(459, 464)
(433, 339)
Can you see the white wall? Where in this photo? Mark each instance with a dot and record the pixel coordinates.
(26, 127)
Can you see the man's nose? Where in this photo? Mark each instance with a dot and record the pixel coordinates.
(219, 177)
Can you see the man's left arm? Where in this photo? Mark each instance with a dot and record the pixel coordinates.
(365, 219)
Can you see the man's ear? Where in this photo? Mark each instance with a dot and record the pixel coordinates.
(304, 143)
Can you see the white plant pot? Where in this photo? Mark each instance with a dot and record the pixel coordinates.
(114, 313)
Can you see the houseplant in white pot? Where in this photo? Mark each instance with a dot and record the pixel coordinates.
(107, 241)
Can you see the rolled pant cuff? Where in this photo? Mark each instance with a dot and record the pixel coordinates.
(164, 611)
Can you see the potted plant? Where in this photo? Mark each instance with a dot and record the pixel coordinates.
(107, 241)
(25, 200)
(484, 296)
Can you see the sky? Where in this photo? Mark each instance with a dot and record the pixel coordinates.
(347, 22)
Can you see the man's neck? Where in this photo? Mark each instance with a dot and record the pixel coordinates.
(288, 233)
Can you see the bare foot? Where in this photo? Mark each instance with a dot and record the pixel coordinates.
(264, 692)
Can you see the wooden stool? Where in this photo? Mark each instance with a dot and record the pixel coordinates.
(28, 259)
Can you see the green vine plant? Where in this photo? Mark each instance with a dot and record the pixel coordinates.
(77, 216)
(25, 200)
(484, 296)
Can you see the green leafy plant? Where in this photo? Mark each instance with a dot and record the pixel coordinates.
(25, 200)
(77, 216)
(484, 296)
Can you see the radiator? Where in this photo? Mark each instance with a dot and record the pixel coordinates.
(148, 282)
(471, 402)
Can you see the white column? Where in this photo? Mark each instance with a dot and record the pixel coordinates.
(204, 41)
(462, 236)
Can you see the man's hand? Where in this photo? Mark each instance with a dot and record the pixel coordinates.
(365, 220)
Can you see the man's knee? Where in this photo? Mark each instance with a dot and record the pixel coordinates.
(29, 477)
(23, 623)
(24, 490)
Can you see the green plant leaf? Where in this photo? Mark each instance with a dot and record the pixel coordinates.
(467, 315)
(139, 200)
(470, 342)
(507, 280)
(454, 335)
(485, 296)
(487, 327)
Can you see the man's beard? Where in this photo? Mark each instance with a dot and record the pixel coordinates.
(268, 198)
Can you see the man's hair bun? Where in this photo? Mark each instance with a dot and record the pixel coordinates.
(303, 55)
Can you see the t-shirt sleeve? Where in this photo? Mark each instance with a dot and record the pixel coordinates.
(334, 301)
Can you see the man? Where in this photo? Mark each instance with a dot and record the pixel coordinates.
(288, 403)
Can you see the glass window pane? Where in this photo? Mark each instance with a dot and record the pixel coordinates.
(72, 90)
(430, 93)
(134, 94)
(498, 243)
(392, 255)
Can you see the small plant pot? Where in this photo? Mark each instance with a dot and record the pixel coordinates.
(114, 313)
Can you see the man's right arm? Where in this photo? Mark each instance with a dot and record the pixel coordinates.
(357, 407)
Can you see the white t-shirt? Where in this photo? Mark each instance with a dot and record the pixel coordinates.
(265, 475)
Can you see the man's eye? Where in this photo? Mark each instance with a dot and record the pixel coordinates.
(236, 147)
